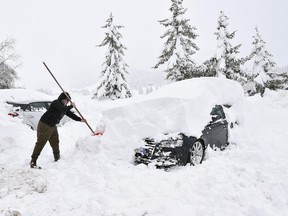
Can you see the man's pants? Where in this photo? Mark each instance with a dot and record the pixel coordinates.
(46, 133)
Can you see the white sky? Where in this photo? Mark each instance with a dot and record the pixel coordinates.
(63, 33)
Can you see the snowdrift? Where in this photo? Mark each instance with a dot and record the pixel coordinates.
(183, 106)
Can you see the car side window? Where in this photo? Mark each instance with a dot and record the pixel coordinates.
(36, 107)
(217, 113)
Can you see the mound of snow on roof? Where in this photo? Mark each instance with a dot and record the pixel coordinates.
(22, 95)
(183, 106)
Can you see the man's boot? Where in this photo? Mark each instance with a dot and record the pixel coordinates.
(33, 163)
(56, 157)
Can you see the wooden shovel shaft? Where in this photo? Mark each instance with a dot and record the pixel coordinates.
(67, 96)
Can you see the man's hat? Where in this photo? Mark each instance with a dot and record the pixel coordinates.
(64, 96)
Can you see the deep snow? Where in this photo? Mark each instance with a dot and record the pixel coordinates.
(178, 107)
(95, 175)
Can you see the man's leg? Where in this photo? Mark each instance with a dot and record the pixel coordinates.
(54, 143)
(43, 134)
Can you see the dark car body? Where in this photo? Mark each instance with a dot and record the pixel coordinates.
(176, 150)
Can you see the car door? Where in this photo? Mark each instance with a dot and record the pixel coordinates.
(215, 133)
(33, 113)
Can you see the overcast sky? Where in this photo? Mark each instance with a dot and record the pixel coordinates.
(64, 33)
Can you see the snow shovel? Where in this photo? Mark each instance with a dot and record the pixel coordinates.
(93, 132)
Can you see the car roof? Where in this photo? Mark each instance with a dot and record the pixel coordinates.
(24, 104)
(27, 102)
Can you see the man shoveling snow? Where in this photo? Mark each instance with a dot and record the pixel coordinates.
(47, 129)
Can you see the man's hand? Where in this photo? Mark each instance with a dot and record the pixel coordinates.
(73, 104)
(84, 120)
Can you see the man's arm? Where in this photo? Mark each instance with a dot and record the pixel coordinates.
(73, 116)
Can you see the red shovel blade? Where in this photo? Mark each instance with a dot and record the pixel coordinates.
(98, 134)
(100, 129)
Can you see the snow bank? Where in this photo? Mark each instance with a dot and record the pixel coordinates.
(178, 107)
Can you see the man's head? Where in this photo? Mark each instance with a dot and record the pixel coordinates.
(64, 98)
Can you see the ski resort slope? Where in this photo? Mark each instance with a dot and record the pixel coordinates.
(97, 177)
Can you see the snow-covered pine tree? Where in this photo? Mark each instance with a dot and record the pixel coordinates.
(209, 67)
(8, 56)
(281, 79)
(262, 73)
(179, 46)
(228, 65)
(113, 83)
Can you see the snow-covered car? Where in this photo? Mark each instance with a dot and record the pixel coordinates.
(180, 120)
(30, 111)
(180, 149)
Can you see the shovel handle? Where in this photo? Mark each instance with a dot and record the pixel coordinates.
(67, 97)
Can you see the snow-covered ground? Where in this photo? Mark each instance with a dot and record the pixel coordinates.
(96, 176)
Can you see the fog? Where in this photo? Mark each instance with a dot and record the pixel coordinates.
(65, 33)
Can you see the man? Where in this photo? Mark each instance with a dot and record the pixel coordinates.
(47, 129)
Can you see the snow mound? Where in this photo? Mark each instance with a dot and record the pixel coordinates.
(223, 90)
(183, 106)
(88, 144)
(20, 95)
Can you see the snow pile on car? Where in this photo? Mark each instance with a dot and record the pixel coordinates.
(20, 95)
(183, 106)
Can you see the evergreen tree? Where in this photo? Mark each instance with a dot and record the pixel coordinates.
(8, 57)
(262, 75)
(226, 61)
(113, 84)
(209, 67)
(179, 46)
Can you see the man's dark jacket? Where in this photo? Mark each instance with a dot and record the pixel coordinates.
(56, 112)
